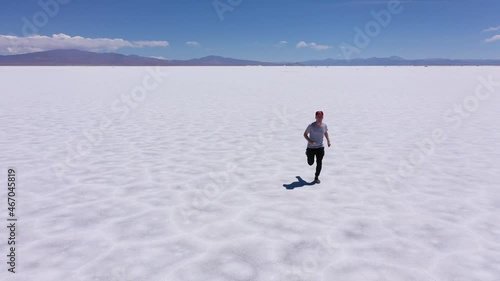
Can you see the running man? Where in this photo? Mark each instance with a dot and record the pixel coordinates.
(314, 135)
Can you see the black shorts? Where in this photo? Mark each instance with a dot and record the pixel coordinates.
(318, 152)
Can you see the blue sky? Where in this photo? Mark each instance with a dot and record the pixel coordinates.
(255, 29)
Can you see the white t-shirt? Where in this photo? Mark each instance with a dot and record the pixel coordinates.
(316, 134)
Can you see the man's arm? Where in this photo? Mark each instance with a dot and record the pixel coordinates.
(307, 137)
(328, 139)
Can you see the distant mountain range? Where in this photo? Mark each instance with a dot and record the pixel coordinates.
(84, 58)
(398, 61)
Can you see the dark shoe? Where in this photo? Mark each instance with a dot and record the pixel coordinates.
(316, 180)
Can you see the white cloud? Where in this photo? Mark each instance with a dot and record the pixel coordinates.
(35, 43)
(302, 44)
(492, 39)
(313, 45)
(492, 29)
(158, 57)
(192, 44)
(281, 44)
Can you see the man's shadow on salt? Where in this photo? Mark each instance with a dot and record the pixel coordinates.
(299, 183)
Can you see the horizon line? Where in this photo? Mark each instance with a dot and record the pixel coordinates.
(255, 60)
